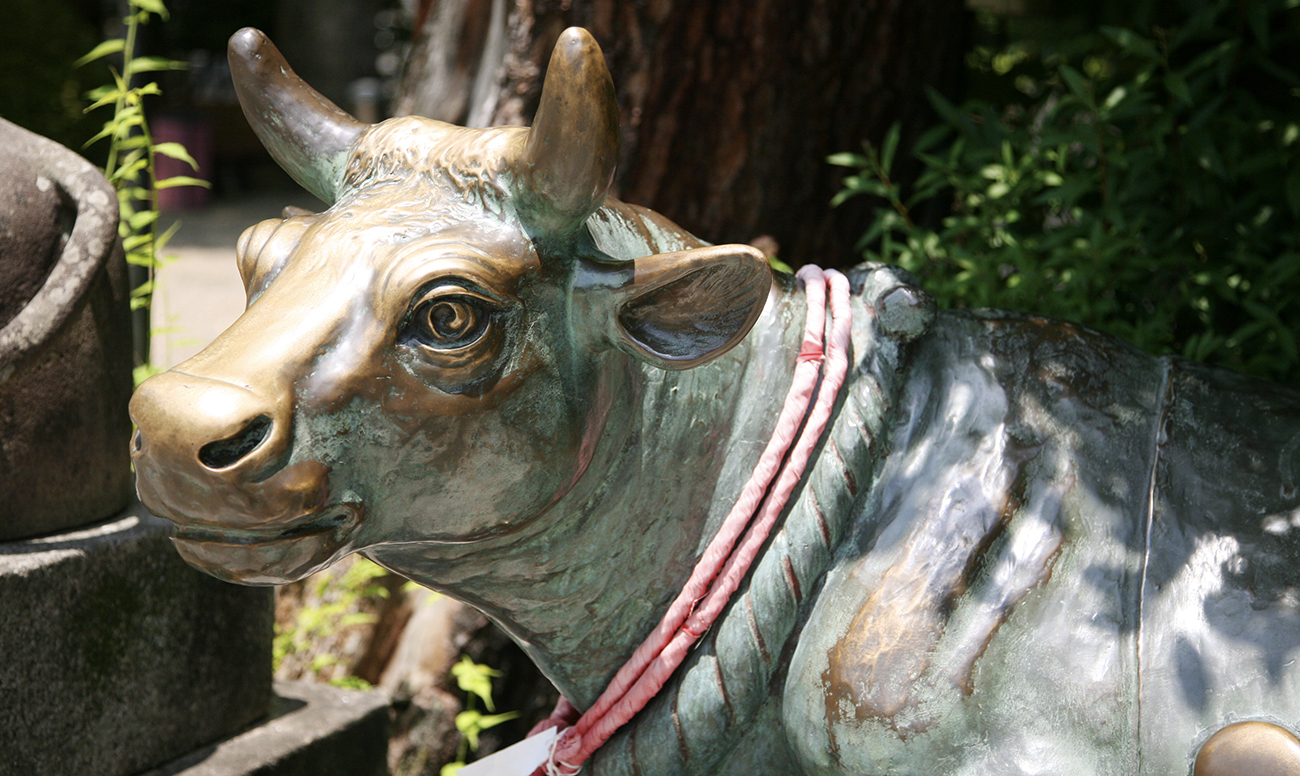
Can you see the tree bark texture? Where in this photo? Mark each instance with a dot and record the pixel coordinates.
(729, 107)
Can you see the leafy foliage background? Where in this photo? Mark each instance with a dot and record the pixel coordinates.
(1144, 182)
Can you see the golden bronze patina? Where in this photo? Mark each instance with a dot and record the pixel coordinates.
(1022, 548)
(1253, 748)
(403, 305)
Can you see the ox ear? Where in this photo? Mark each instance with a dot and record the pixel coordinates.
(680, 310)
(567, 164)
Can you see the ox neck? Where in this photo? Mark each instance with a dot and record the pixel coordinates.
(584, 583)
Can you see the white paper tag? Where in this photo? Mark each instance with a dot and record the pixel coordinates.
(519, 759)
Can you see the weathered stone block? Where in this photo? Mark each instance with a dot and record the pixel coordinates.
(116, 657)
(313, 730)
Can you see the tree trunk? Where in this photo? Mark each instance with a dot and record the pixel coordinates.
(729, 108)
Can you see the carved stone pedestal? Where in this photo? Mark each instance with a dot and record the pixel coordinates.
(311, 730)
(116, 657)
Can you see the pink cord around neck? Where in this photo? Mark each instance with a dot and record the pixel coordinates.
(724, 563)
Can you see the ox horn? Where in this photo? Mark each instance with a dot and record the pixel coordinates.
(307, 135)
(568, 162)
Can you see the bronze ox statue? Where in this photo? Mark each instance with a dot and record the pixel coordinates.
(1022, 548)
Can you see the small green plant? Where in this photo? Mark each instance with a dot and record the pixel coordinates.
(131, 154)
(335, 600)
(1147, 185)
(475, 681)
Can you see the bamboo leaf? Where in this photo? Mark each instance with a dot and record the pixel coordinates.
(107, 98)
(128, 172)
(142, 219)
(152, 64)
(102, 50)
(176, 151)
(182, 180)
(161, 240)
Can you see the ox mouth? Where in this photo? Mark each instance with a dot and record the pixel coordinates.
(270, 557)
(329, 521)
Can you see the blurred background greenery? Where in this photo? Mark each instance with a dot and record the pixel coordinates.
(1132, 167)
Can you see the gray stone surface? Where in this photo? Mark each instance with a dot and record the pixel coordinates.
(30, 233)
(314, 730)
(65, 341)
(116, 657)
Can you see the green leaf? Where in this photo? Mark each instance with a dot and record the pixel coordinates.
(1177, 86)
(842, 195)
(450, 769)
(1078, 84)
(106, 98)
(930, 138)
(161, 240)
(847, 160)
(1131, 42)
(475, 679)
(152, 64)
(134, 241)
(181, 180)
(1115, 97)
(140, 258)
(947, 110)
(1257, 16)
(486, 721)
(128, 172)
(176, 151)
(142, 219)
(144, 372)
(102, 50)
(889, 147)
(467, 724)
(100, 91)
(471, 722)
(152, 6)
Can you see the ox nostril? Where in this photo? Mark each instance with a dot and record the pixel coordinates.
(227, 452)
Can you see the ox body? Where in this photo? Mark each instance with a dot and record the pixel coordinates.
(1022, 547)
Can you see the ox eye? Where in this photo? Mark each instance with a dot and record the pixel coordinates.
(450, 321)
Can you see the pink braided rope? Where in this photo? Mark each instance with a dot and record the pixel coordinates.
(720, 570)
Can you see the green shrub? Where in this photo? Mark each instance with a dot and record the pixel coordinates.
(1147, 185)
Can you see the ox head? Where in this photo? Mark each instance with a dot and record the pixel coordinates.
(433, 358)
